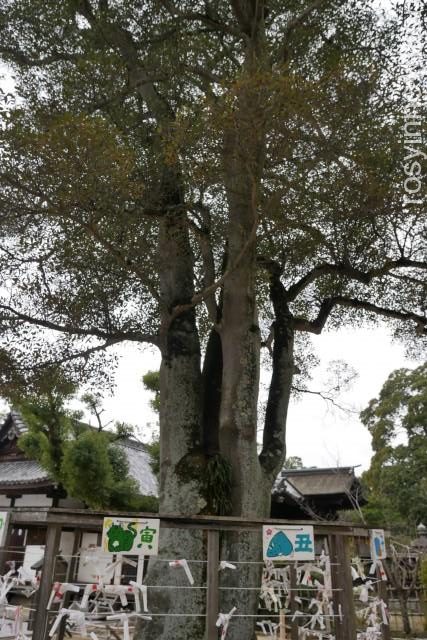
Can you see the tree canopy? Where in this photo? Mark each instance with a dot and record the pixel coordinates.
(218, 179)
(397, 477)
(112, 101)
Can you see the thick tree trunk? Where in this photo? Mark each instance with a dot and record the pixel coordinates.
(181, 454)
(251, 485)
(250, 493)
(233, 383)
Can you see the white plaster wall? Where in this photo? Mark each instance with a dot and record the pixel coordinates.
(4, 501)
(33, 500)
(66, 544)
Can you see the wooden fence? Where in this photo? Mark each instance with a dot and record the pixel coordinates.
(338, 537)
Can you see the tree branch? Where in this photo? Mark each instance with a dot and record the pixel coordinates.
(119, 336)
(203, 239)
(122, 40)
(296, 21)
(326, 307)
(202, 72)
(196, 16)
(20, 58)
(273, 447)
(200, 296)
(92, 230)
(346, 270)
(84, 354)
(327, 397)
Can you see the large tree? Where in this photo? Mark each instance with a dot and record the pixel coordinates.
(397, 477)
(215, 179)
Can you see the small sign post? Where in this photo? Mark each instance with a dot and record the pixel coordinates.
(378, 546)
(288, 542)
(131, 536)
(4, 521)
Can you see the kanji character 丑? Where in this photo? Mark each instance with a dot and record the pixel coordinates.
(303, 542)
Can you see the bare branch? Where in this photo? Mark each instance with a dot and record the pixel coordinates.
(327, 397)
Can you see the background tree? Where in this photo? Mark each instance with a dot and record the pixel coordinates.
(293, 462)
(89, 464)
(397, 478)
(151, 381)
(212, 178)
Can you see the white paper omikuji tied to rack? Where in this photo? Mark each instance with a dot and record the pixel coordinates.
(226, 565)
(224, 621)
(184, 564)
(140, 589)
(59, 589)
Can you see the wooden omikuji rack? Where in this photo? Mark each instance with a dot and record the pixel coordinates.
(338, 536)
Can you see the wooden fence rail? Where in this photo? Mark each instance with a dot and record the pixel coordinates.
(55, 520)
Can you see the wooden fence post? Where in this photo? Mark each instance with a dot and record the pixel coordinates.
(212, 595)
(71, 570)
(282, 622)
(51, 551)
(4, 550)
(382, 592)
(345, 620)
(293, 587)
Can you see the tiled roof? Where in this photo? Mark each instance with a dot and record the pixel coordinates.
(18, 422)
(22, 472)
(27, 472)
(12, 426)
(283, 485)
(140, 468)
(312, 482)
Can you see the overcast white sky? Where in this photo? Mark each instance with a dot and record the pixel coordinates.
(320, 434)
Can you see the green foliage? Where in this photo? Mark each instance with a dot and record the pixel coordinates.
(134, 127)
(86, 469)
(93, 148)
(396, 481)
(51, 423)
(217, 479)
(123, 430)
(153, 449)
(90, 464)
(151, 381)
(293, 462)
